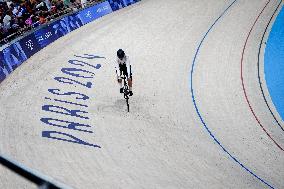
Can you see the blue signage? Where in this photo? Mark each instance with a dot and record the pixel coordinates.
(10, 58)
(3, 70)
(30, 45)
(13, 56)
(119, 4)
(97, 11)
(66, 25)
(52, 32)
(45, 36)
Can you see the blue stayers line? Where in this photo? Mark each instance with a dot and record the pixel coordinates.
(199, 114)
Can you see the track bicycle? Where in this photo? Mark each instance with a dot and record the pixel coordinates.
(126, 88)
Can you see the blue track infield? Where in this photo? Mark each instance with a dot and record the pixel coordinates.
(274, 64)
(199, 113)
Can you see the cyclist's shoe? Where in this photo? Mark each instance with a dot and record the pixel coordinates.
(130, 93)
(121, 90)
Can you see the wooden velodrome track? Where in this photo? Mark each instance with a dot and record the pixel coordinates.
(197, 118)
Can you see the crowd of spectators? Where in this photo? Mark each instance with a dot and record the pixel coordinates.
(21, 15)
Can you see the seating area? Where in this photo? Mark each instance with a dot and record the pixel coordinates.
(20, 16)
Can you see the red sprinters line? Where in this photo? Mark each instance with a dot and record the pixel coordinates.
(257, 119)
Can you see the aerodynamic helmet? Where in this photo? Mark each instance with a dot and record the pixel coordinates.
(120, 54)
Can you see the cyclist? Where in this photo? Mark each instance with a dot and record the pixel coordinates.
(123, 68)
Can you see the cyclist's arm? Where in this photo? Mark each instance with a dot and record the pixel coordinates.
(117, 69)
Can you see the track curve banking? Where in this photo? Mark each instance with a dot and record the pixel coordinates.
(62, 114)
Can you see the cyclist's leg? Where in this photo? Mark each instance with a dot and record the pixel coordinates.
(129, 81)
(119, 80)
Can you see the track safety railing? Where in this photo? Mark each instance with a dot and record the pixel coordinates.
(42, 181)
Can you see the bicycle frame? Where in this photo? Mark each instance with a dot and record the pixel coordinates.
(126, 91)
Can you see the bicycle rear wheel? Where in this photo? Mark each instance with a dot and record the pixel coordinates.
(127, 103)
